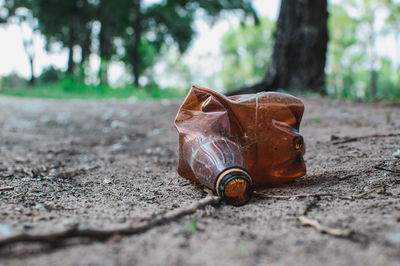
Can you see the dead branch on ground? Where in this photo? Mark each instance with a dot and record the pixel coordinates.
(287, 197)
(324, 229)
(352, 139)
(379, 167)
(102, 235)
(347, 176)
(361, 195)
(71, 174)
(6, 188)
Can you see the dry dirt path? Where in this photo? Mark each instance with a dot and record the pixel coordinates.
(111, 164)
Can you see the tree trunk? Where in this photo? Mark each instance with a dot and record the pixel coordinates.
(299, 56)
(103, 72)
(85, 47)
(397, 61)
(32, 80)
(71, 41)
(85, 54)
(105, 39)
(372, 51)
(29, 50)
(373, 82)
(27, 43)
(71, 63)
(137, 28)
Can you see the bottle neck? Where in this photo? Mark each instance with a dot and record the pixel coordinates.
(209, 158)
(234, 186)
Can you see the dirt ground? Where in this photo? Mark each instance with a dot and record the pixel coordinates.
(111, 164)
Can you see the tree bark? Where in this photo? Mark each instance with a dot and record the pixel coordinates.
(397, 45)
(32, 80)
(72, 40)
(137, 27)
(372, 51)
(299, 55)
(105, 39)
(27, 43)
(29, 50)
(71, 63)
(85, 47)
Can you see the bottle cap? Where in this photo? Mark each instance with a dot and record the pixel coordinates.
(234, 186)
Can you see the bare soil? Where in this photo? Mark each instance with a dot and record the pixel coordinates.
(111, 164)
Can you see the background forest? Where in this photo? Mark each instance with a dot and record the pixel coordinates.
(147, 41)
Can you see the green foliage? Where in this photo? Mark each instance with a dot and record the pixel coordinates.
(130, 30)
(342, 36)
(353, 60)
(12, 81)
(193, 226)
(62, 21)
(171, 23)
(50, 75)
(247, 51)
(243, 249)
(388, 84)
(70, 88)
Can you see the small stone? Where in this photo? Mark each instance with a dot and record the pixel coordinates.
(299, 242)
(395, 238)
(117, 124)
(146, 170)
(116, 238)
(27, 227)
(117, 147)
(6, 229)
(157, 131)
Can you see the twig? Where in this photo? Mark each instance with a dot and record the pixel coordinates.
(313, 203)
(286, 197)
(59, 237)
(71, 174)
(352, 139)
(361, 195)
(6, 188)
(347, 176)
(323, 229)
(385, 169)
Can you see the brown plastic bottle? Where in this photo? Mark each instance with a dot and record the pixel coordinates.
(233, 144)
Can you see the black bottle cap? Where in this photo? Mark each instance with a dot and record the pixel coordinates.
(235, 187)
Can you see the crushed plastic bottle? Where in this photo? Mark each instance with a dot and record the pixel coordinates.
(235, 144)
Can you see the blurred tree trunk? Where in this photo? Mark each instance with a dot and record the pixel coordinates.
(370, 18)
(105, 39)
(71, 63)
(85, 43)
(299, 56)
(71, 42)
(397, 45)
(137, 28)
(30, 52)
(75, 27)
(85, 46)
(32, 80)
(28, 43)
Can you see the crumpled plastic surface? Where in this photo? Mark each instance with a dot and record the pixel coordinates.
(258, 133)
